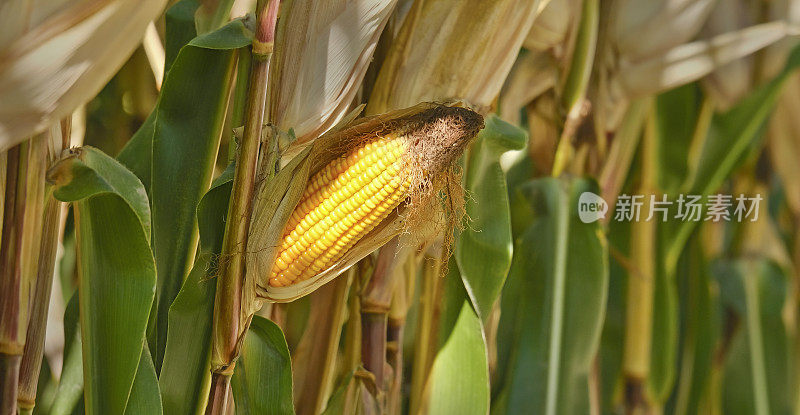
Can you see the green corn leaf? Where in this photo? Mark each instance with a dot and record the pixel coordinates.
(730, 135)
(181, 147)
(70, 385)
(262, 380)
(116, 271)
(137, 153)
(459, 379)
(553, 307)
(757, 368)
(701, 331)
(483, 249)
(338, 400)
(145, 397)
(612, 341)
(185, 146)
(186, 370)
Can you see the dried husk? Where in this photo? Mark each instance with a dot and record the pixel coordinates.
(552, 25)
(689, 62)
(453, 126)
(322, 51)
(55, 56)
(532, 74)
(644, 29)
(543, 129)
(631, 78)
(731, 82)
(452, 49)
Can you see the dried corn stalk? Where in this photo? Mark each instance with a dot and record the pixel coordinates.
(60, 55)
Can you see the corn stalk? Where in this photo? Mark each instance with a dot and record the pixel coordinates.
(227, 303)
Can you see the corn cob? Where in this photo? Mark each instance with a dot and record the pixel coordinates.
(342, 203)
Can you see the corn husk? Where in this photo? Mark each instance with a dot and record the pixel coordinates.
(630, 79)
(275, 202)
(533, 73)
(322, 51)
(59, 56)
(452, 49)
(644, 29)
(552, 24)
(689, 62)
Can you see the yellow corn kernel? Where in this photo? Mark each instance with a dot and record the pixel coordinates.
(342, 203)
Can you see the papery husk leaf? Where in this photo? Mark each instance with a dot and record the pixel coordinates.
(275, 202)
(729, 83)
(552, 24)
(322, 51)
(543, 129)
(689, 62)
(644, 29)
(533, 74)
(64, 60)
(452, 49)
(18, 16)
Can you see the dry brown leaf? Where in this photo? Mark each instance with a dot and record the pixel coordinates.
(643, 29)
(62, 57)
(532, 74)
(452, 49)
(322, 51)
(732, 81)
(551, 26)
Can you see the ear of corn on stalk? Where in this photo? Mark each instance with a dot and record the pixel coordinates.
(368, 182)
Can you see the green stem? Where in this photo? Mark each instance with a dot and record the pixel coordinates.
(641, 285)
(559, 290)
(228, 322)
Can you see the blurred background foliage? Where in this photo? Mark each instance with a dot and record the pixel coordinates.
(539, 312)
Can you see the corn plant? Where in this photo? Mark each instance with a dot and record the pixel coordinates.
(399, 207)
